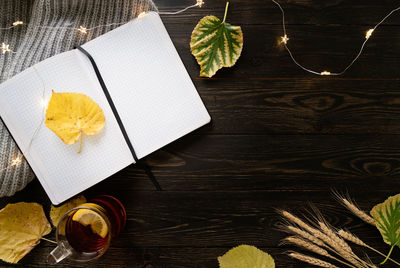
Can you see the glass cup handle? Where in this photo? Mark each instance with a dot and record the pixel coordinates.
(59, 253)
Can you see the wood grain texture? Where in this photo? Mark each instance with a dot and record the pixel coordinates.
(280, 138)
(310, 106)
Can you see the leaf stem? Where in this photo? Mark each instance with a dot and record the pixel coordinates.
(80, 143)
(387, 257)
(48, 240)
(226, 11)
(380, 253)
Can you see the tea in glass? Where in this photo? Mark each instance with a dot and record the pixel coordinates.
(84, 233)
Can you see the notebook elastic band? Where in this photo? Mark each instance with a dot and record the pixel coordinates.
(146, 168)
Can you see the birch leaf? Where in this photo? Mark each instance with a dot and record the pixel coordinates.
(216, 44)
(56, 213)
(70, 115)
(245, 256)
(387, 218)
(22, 225)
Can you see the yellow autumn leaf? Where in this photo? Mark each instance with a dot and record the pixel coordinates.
(245, 256)
(22, 225)
(69, 115)
(56, 213)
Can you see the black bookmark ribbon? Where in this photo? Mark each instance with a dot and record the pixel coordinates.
(144, 166)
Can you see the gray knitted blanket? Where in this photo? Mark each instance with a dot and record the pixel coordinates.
(34, 44)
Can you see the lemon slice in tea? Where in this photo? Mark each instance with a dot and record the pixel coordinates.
(89, 217)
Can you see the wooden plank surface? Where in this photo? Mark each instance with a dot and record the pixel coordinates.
(280, 138)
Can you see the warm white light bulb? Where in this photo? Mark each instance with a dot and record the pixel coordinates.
(141, 15)
(16, 161)
(284, 39)
(18, 22)
(369, 33)
(5, 48)
(325, 73)
(200, 3)
(82, 29)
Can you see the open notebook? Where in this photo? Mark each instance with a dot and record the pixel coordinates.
(148, 83)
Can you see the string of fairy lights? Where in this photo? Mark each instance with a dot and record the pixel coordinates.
(285, 38)
(5, 48)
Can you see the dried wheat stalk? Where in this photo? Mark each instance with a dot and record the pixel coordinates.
(324, 237)
(307, 245)
(313, 231)
(306, 235)
(352, 238)
(331, 234)
(342, 247)
(338, 250)
(310, 237)
(353, 208)
(335, 247)
(313, 248)
(312, 260)
(297, 221)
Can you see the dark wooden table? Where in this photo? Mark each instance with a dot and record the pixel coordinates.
(280, 138)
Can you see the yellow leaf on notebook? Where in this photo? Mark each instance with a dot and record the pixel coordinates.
(56, 213)
(69, 115)
(22, 225)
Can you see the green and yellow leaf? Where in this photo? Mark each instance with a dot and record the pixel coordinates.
(387, 218)
(245, 256)
(216, 44)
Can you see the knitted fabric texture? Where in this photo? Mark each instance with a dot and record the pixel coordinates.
(34, 44)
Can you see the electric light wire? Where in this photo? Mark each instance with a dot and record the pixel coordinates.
(285, 38)
(199, 4)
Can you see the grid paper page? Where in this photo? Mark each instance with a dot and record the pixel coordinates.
(148, 83)
(61, 170)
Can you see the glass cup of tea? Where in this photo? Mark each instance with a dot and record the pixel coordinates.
(84, 233)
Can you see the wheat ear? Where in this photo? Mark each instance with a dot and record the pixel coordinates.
(313, 238)
(341, 246)
(312, 260)
(334, 245)
(331, 233)
(305, 235)
(353, 208)
(313, 248)
(354, 239)
(297, 221)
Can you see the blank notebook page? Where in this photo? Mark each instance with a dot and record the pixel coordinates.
(148, 83)
(61, 170)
